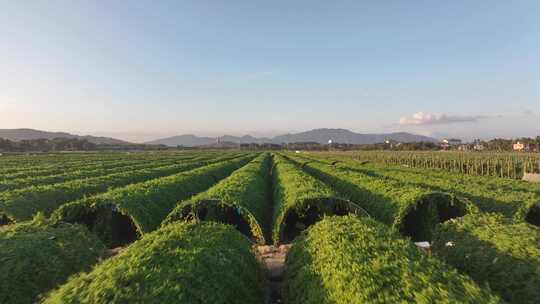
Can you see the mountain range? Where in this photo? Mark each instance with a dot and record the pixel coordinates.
(30, 134)
(321, 136)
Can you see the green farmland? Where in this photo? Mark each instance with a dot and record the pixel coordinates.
(224, 227)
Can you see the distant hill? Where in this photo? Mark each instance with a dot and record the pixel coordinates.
(187, 140)
(30, 134)
(344, 136)
(318, 135)
(190, 140)
(221, 145)
(246, 139)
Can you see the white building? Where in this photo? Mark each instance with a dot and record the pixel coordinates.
(479, 147)
(519, 146)
(452, 142)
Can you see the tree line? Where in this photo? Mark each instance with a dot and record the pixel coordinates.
(67, 144)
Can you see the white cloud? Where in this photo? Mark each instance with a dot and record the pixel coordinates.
(422, 118)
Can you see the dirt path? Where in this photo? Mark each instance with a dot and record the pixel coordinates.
(272, 259)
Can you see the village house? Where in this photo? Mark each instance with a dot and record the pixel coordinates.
(479, 147)
(392, 143)
(448, 143)
(519, 146)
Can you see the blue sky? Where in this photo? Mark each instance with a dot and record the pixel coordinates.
(156, 68)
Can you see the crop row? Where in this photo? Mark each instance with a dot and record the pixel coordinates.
(502, 258)
(25, 172)
(301, 200)
(339, 260)
(180, 263)
(141, 207)
(348, 259)
(410, 209)
(241, 200)
(35, 257)
(514, 199)
(121, 215)
(492, 249)
(21, 204)
(494, 252)
(26, 162)
(22, 170)
(44, 159)
(34, 160)
(505, 165)
(80, 173)
(146, 204)
(351, 260)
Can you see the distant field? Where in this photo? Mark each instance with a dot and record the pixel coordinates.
(504, 164)
(183, 227)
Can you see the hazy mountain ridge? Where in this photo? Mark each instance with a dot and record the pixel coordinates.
(189, 140)
(318, 135)
(31, 134)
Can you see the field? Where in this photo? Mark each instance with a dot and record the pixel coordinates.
(504, 165)
(201, 227)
